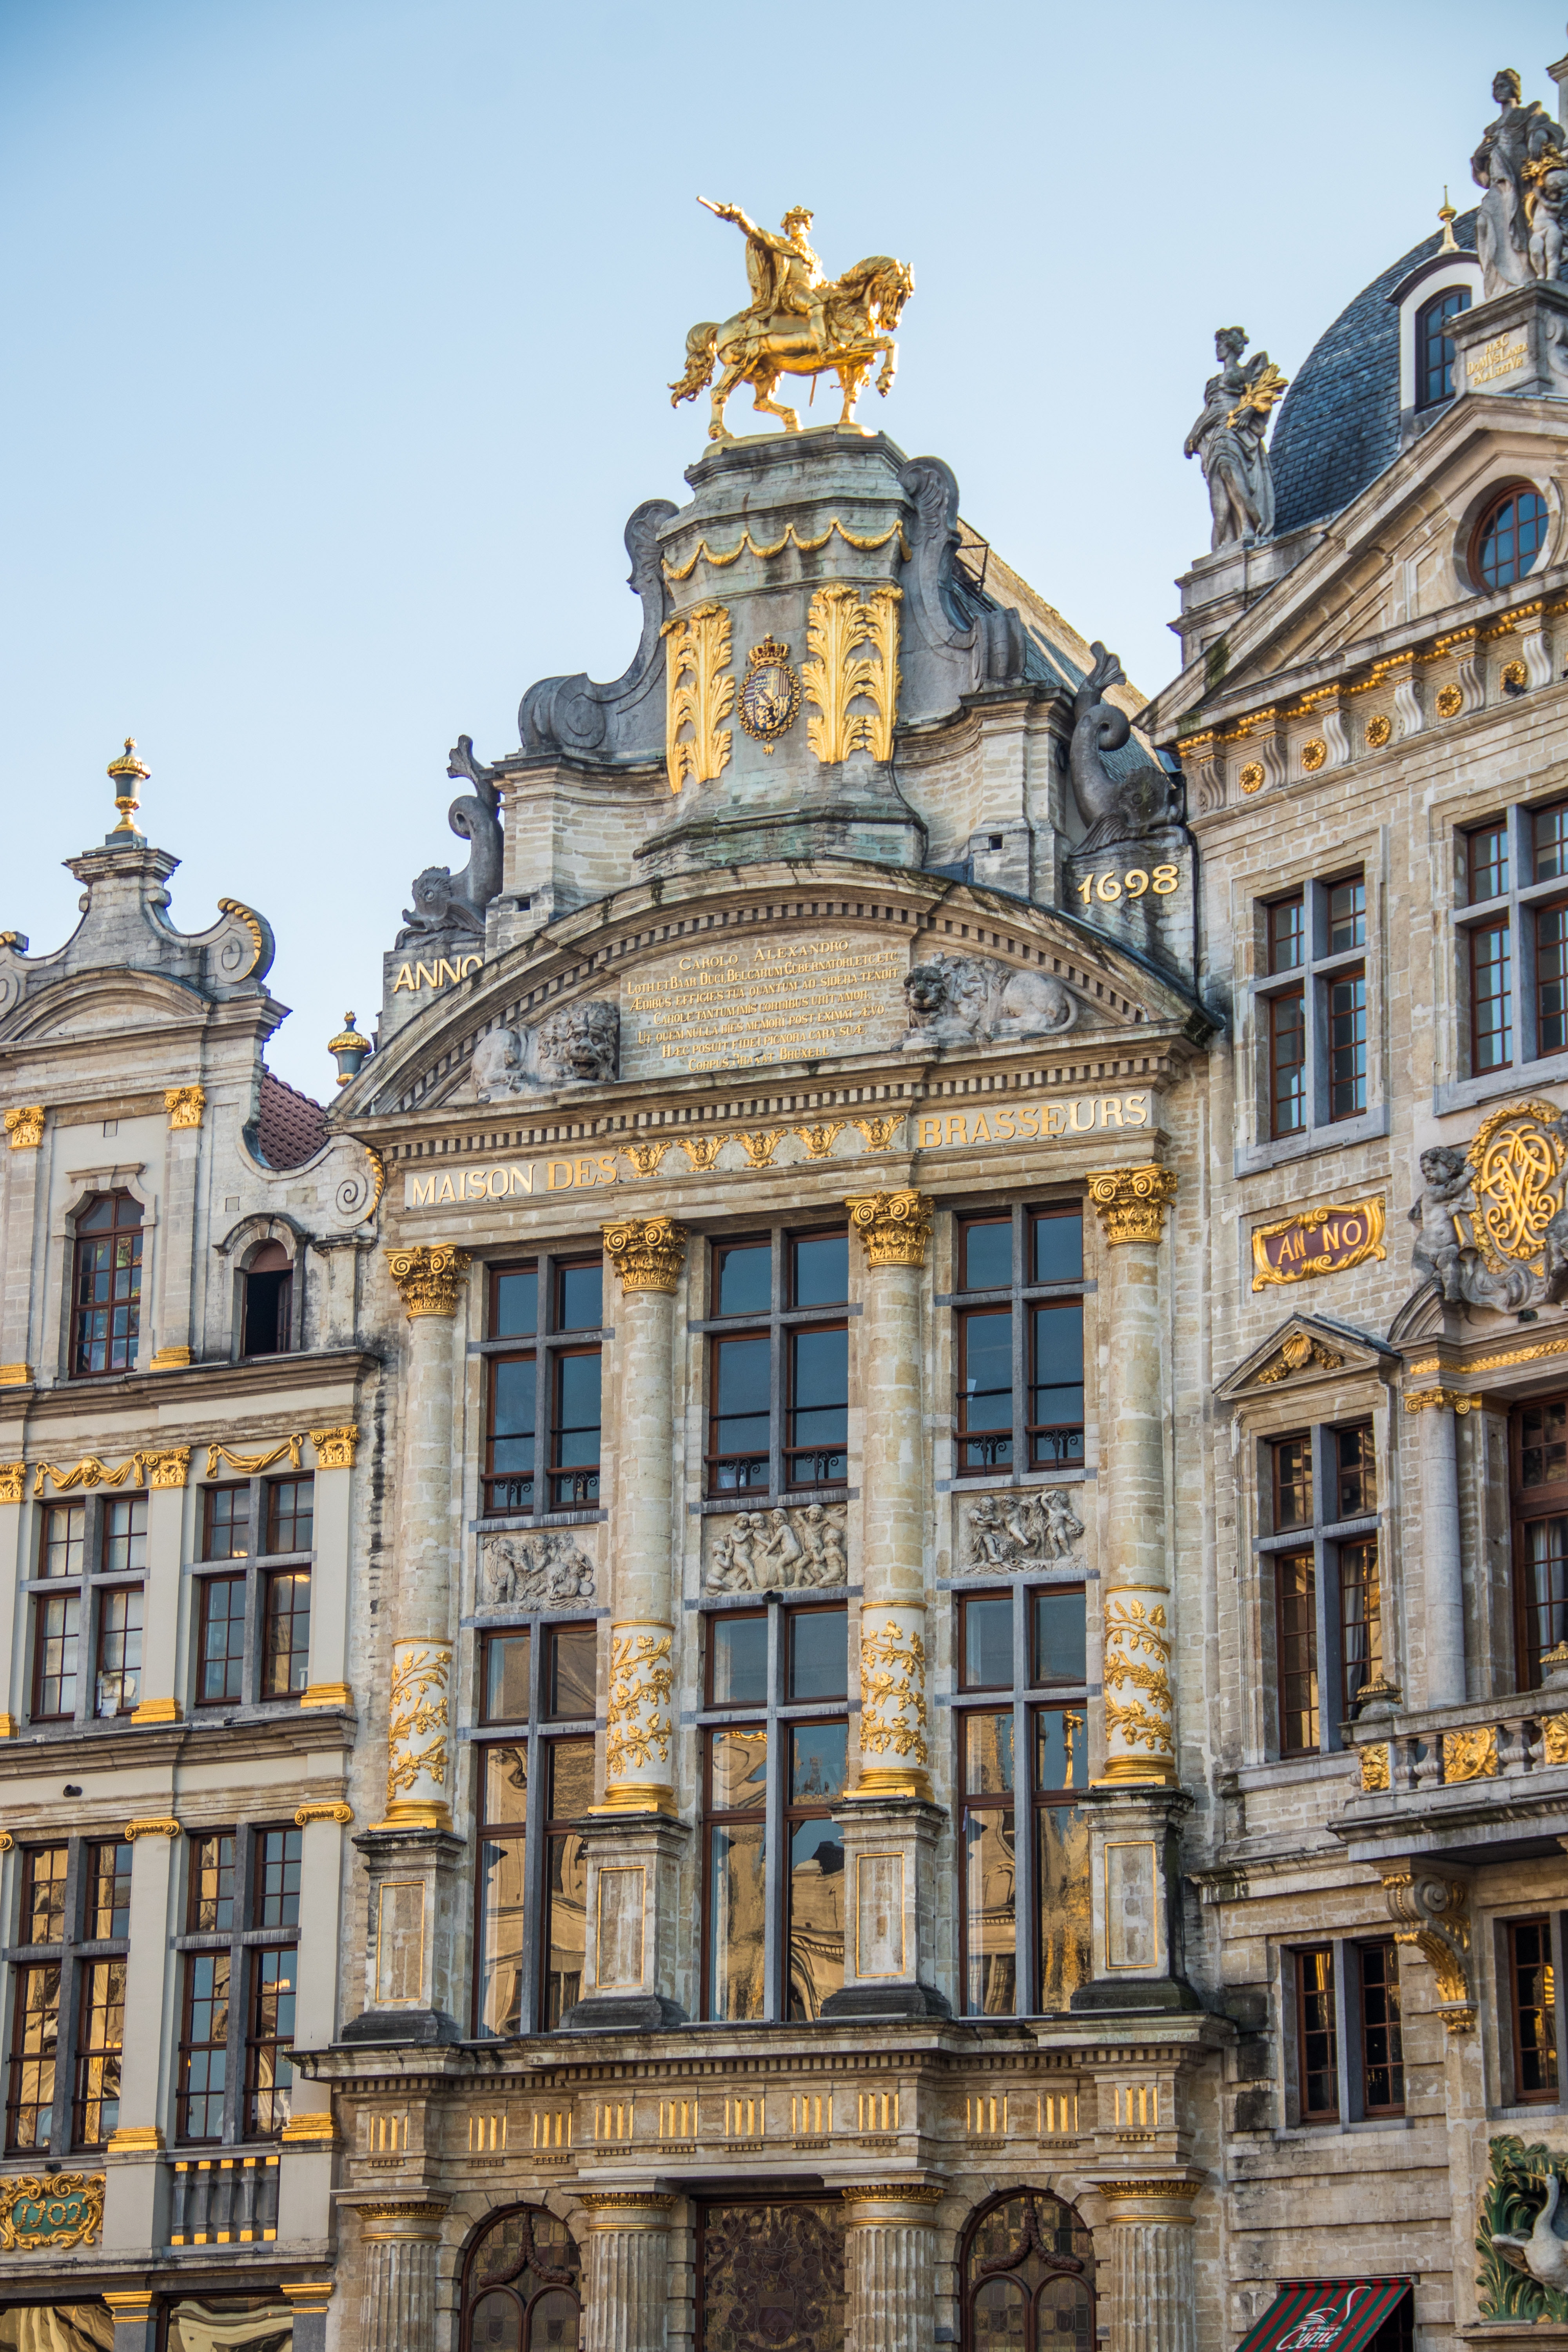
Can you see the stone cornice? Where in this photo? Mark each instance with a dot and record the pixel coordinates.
(76, 1405)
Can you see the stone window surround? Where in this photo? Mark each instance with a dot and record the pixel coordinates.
(530, 1734)
(774, 1714)
(1347, 2035)
(240, 1942)
(545, 1345)
(1313, 976)
(1023, 1697)
(84, 1185)
(71, 1954)
(244, 1241)
(1526, 1069)
(256, 1568)
(1435, 277)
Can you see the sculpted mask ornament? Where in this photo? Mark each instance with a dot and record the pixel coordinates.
(975, 1001)
(796, 323)
(1228, 436)
(574, 1046)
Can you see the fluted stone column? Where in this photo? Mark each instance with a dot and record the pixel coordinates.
(895, 1230)
(628, 2298)
(890, 2267)
(400, 2242)
(419, 1762)
(648, 1253)
(1152, 2288)
(1140, 1733)
(1442, 1566)
(634, 1839)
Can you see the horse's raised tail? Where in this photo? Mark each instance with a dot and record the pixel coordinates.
(701, 350)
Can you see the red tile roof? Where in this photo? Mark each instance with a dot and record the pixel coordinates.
(290, 1129)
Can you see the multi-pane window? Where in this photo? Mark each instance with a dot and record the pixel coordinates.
(1434, 345)
(253, 1591)
(774, 1731)
(69, 1996)
(1312, 1006)
(87, 1607)
(1382, 2031)
(235, 2076)
(778, 1362)
(106, 1286)
(1019, 1312)
(1539, 1466)
(1319, 1557)
(1514, 924)
(1532, 1992)
(537, 1686)
(1317, 2036)
(1023, 1903)
(543, 1387)
(1509, 537)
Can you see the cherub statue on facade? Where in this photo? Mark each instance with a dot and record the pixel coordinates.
(1439, 1253)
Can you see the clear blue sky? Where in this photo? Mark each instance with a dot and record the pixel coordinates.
(337, 334)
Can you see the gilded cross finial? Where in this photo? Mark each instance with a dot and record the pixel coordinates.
(125, 773)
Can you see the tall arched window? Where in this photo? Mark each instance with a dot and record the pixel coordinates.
(523, 2289)
(1434, 345)
(106, 1286)
(266, 1302)
(1029, 2276)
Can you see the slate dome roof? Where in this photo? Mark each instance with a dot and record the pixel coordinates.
(1339, 423)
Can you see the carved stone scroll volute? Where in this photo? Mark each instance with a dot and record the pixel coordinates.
(1435, 1915)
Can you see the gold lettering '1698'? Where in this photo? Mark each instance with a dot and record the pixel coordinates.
(1161, 879)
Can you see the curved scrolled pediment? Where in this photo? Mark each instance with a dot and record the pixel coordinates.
(790, 968)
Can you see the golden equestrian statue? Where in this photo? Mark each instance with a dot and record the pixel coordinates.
(797, 324)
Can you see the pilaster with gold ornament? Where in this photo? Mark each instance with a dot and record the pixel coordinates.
(838, 673)
(21, 1190)
(1139, 1704)
(699, 695)
(894, 1230)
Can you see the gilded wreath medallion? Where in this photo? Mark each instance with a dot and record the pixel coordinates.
(769, 698)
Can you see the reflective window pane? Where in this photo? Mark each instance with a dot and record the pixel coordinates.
(739, 1424)
(818, 1652)
(990, 1888)
(1061, 1638)
(816, 1954)
(1058, 1245)
(506, 1677)
(988, 1754)
(570, 1789)
(573, 1678)
(503, 1786)
(500, 1988)
(986, 1254)
(987, 1644)
(513, 1412)
(1544, 1443)
(738, 1656)
(1061, 1749)
(818, 1428)
(744, 1273)
(738, 1770)
(985, 1388)
(1062, 1890)
(1347, 916)
(817, 1763)
(821, 1270)
(737, 1902)
(1056, 1393)
(1287, 934)
(1292, 1483)
(515, 1311)
(580, 1296)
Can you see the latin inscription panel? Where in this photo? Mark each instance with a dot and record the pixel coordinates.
(787, 1000)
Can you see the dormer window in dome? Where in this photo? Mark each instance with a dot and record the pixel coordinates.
(1434, 345)
(1509, 537)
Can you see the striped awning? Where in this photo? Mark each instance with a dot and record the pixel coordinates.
(1325, 2314)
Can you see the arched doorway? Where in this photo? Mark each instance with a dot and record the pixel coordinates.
(1029, 2276)
(522, 2285)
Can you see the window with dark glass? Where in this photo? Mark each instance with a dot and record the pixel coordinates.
(1019, 1317)
(1312, 1030)
(537, 1689)
(1509, 537)
(69, 1996)
(544, 1377)
(1532, 2007)
(220, 1652)
(117, 1680)
(106, 1286)
(1024, 1907)
(253, 1625)
(1382, 2031)
(774, 1732)
(1434, 345)
(1320, 1558)
(226, 1513)
(1317, 2036)
(233, 2077)
(1487, 861)
(1513, 938)
(266, 1302)
(87, 1607)
(1492, 1021)
(1288, 933)
(1539, 1454)
(778, 1362)
(1288, 1063)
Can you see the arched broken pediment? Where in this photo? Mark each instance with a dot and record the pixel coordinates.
(69, 1006)
(791, 967)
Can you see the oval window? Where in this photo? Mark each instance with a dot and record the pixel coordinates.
(1509, 537)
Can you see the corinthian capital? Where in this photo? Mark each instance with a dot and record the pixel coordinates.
(429, 1280)
(1132, 1201)
(647, 1253)
(894, 1226)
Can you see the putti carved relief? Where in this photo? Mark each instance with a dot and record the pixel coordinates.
(574, 1046)
(777, 1552)
(549, 1565)
(1033, 1530)
(975, 1001)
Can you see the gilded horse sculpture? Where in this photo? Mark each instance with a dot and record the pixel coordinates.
(797, 324)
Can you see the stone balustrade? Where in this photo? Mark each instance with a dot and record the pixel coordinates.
(1443, 1748)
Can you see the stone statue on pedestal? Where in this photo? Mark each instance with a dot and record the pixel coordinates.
(1228, 440)
(1516, 163)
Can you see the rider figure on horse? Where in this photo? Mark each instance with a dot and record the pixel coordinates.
(784, 275)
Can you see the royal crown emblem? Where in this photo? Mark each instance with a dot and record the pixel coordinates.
(769, 693)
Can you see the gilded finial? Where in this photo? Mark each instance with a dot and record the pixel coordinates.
(125, 773)
(348, 1049)
(1447, 216)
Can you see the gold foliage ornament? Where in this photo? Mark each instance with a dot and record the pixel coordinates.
(1517, 1155)
(770, 694)
(701, 694)
(838, 673)
(894, 1227)
(642, 1681)
(647, 1253)
(65, 2209)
